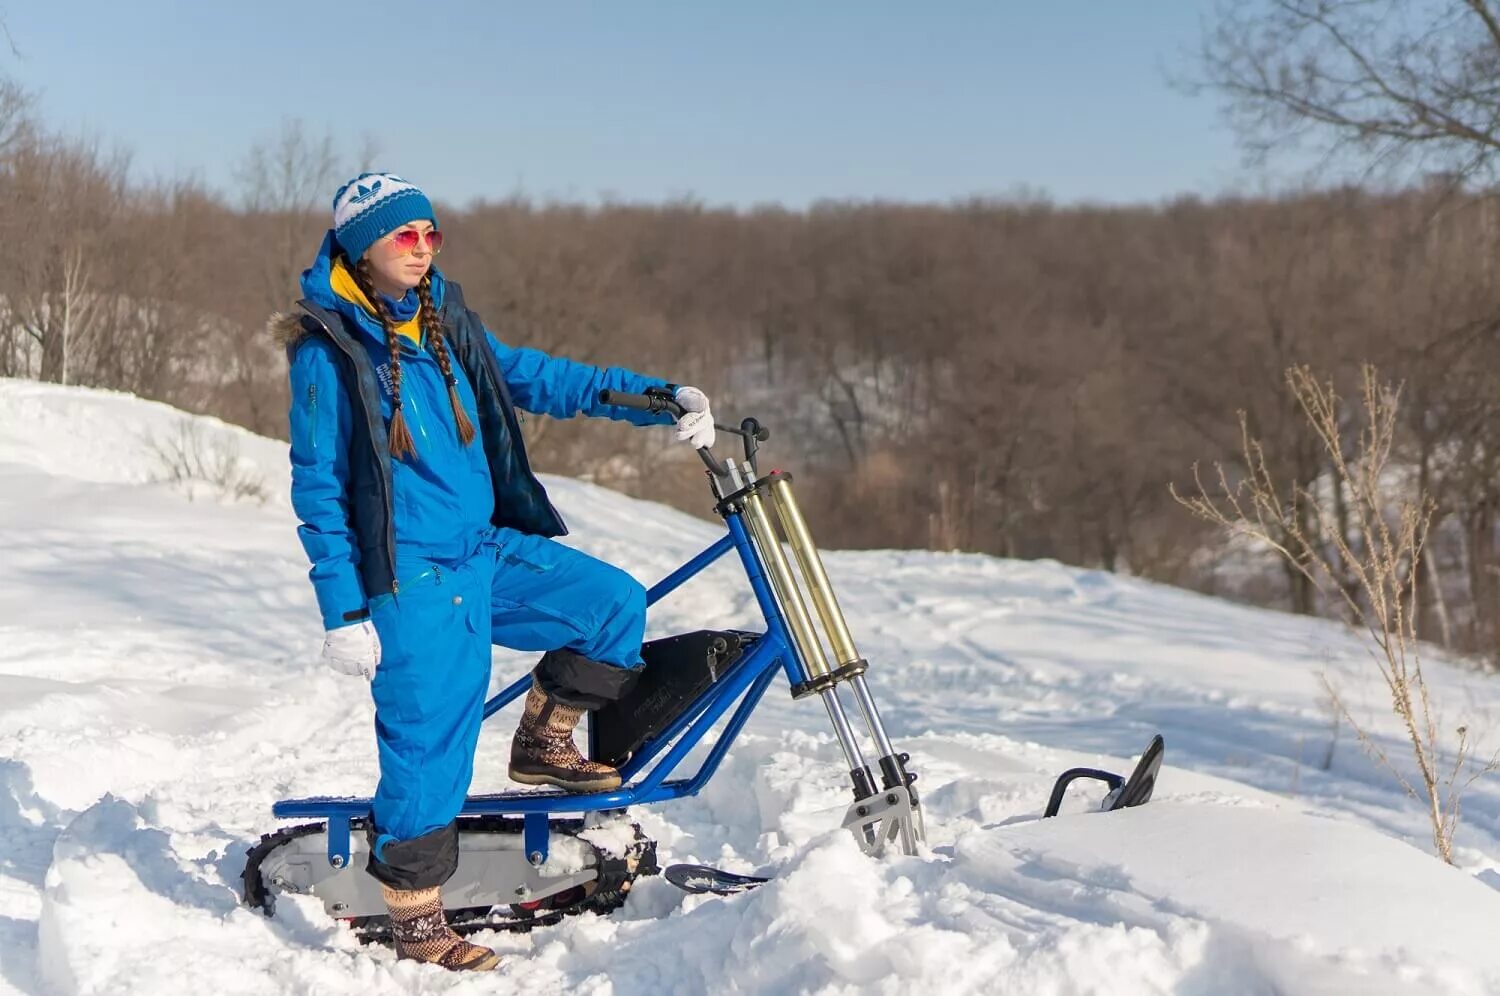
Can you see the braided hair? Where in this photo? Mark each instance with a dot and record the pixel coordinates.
(433, 323)
(402, 445)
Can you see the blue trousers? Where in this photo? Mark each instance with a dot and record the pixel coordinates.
(519, 591)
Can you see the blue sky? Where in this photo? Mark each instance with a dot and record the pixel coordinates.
(738, 104)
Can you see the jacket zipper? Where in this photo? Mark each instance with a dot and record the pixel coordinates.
(312, 404)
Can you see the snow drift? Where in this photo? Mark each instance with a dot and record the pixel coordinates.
(159, 688)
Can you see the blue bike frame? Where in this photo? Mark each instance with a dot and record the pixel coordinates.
(746, 680)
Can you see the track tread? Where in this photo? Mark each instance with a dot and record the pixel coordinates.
(610, 889)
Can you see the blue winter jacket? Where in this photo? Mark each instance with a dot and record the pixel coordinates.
(366, 517)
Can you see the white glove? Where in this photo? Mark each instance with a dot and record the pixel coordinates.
(353, 649)
(697, 423)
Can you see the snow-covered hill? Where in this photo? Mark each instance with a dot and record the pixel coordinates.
(159, 689)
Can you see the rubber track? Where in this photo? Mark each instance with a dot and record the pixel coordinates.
(608, 893)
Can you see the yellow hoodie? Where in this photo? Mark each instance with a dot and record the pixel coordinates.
(344, 285)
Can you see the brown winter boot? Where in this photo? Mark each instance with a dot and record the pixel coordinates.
(422, 932)
(543, 752)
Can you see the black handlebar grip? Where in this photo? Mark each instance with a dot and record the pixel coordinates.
(651, 402)
(623, 400)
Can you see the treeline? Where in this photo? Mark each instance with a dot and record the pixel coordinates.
(1008, 377)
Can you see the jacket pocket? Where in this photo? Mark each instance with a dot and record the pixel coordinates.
(517, 550)
(535, 566)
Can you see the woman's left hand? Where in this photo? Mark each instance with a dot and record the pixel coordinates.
(697, 423)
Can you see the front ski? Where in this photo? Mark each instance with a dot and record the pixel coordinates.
(1123, 792)
(699, 879)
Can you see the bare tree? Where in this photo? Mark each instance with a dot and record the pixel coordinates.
(77, 301)
(63, 198)
(289, 171)
(1399, 82)
(17, 124)
(287, 182)
(1385, 557)
(285, 179)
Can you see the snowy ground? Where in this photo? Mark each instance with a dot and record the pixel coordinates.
(159, 689)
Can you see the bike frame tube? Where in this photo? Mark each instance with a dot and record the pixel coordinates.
(679, 577)
(747, 682)
(709, 708)
(737, 723)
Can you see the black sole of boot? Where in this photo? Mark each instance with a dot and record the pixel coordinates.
(542, 778)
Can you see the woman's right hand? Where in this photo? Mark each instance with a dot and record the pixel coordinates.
(696, 426)
(353, 650)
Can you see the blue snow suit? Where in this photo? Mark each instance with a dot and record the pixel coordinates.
(446, 552)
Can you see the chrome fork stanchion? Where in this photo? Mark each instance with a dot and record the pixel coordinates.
(859, 771)
(872, 716)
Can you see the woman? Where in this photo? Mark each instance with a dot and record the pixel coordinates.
(429, 536)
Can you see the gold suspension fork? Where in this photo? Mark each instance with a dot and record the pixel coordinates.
(805, 642)
(851, 666)
(898, 813)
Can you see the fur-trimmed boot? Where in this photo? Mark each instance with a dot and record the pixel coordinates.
(422, 932)
(543, 752)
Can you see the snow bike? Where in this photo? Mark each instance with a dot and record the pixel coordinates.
(530, 857)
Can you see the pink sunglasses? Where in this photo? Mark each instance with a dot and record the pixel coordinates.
(406, 241)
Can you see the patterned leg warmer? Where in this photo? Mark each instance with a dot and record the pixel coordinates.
(422, 932)
(543, 752)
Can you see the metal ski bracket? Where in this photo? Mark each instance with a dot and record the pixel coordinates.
(1060, 788)
(338, 841)
(886, 817)
(536, 834)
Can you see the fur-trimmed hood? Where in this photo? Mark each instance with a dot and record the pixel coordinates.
(287, 328)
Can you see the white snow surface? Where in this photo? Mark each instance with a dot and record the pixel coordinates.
(159, 690)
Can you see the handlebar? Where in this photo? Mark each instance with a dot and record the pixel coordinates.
(657, 399)
(651, 402)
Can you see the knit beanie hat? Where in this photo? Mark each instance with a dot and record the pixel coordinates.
(373, 204)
